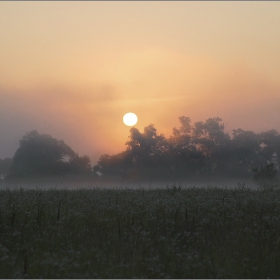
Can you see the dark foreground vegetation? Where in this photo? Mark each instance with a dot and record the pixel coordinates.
(156, 233)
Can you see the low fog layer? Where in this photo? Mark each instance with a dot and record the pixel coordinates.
(70, 183)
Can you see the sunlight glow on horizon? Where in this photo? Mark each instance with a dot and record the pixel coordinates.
(70, 69)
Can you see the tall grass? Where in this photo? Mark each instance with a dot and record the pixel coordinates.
(163, 233)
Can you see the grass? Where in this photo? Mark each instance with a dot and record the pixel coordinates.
(155, 233)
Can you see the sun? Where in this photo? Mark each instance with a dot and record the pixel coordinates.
(130, 119)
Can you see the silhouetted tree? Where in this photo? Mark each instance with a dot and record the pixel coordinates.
(5, 165)
(270, 146)
(181, 138)
(40, 154)
(147, 150)
(143, 157)
(118, 166)
(186, 158)
(198, 149)
(246, 152)
(210, 139)
(266, 177)
(80, 164)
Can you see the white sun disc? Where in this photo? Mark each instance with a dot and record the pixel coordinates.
(130, 119)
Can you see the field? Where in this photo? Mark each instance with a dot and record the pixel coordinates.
(172, 232)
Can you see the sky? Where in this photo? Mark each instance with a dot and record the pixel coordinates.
(72, 69)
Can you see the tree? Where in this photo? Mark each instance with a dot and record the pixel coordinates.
(80, 164)
(202, 148)
(246, 151)
(210, 139)
(185, 157)
(40, 154)
(147, 150)
(146, 145)
(5, 165)
(118, 165)
(266, 177)
(270, 145)
(181, 138)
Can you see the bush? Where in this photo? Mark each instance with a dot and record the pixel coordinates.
(266, 177)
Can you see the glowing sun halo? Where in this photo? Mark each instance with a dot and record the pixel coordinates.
(130, 119)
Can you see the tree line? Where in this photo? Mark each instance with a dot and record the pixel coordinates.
(194, 150)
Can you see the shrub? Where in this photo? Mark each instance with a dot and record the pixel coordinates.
(266, 177)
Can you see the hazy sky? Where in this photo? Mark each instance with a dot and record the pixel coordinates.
(73, 69)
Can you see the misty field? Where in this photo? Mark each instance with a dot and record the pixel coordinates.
(154, 233)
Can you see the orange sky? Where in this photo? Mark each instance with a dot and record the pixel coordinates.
(73, 69)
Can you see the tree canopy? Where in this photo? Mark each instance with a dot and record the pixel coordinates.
(193, 150)
(41, 154)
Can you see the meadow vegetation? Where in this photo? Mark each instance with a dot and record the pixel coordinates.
(174, 232)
